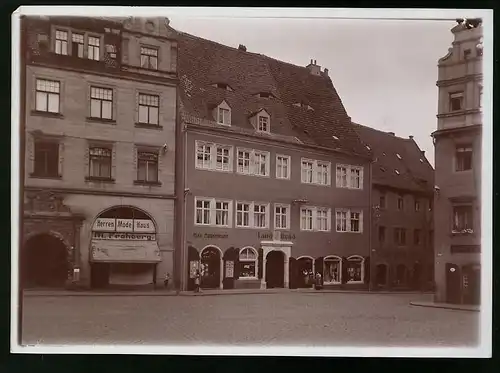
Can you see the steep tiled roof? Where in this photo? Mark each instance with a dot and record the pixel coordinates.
(203, 63)
(415, 172)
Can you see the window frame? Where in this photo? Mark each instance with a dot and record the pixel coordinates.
(46, 143)
(453, 96)
(252, 214)
(267, 124)
(316, 166)
(460, 161)
(94, 47)
(287, 216)
(469, 227)
(100, 157)
(243, 260)
(221, 117)
(212, 212)
(400, 236)
(402, 200)
(315, 225)
(349, 169)
(155, 162)
(62, 42)
(362, 268)
(288, 166)
(149, 57)
(348, 224)
(101, 101)
(148, 106)
(213, 156)
(337, 259)
(252, 161)
(47, 94)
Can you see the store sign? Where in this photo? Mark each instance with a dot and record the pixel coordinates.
(210, 235)
(123, 236)
(276, 236)
(123, 225)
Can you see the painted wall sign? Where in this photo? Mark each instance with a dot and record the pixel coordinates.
(123, 225)
(281, 236)
(123, 236)
(210, 235)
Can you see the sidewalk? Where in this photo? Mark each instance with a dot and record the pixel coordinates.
(449, 306)
(164, 292)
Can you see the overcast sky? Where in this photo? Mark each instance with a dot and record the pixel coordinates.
(385, 71)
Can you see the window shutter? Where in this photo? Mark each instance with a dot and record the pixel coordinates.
(30, 146)
(252, 164)
(160, 164)
(61, 158)
(86, 161)
(329, 220)
(361, 173)
(230, 214)
(348, 220)
(361, 218)
(268, 164)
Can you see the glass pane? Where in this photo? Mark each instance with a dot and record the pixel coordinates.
(107, 109)
(41, 101)
(105, 169)
(95, 108)
(141, 171)
(152, 171)
(153, 115)
(53, 103)
(143, 114)
(144, 61)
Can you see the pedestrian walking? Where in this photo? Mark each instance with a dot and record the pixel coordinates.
(166, 280)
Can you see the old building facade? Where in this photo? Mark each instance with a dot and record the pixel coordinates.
(99, 172)
(402, 256)
(275, 179)
(458, 168)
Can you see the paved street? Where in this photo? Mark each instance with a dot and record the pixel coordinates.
(266, 319)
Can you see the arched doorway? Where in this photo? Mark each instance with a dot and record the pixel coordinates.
(381, 275)
(46, 261)
(305, 271)
(210, 259)
(275, 271)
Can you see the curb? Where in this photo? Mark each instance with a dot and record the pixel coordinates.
(446, 306)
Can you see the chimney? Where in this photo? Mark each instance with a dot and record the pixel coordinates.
(411, 137)
(313, 68)
(241, 47)
(325, 72)
(391, 133)
(423, 153)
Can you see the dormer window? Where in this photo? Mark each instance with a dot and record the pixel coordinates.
(223, 86)
(223, 114)
(265, 95)
(335, 137)
(396, 172)
(263, 124)
(399, 156)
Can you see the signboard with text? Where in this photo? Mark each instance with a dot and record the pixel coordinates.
(123, 225)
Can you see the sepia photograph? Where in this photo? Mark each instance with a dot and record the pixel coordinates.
(252, 181)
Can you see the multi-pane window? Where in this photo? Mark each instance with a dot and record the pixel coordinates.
(282, 167)
(354, 270)
(47, 95)
(400, 236)
(281, 217)
(417, 205)
(315, 219)
(381, 234)
(244, 161)
(261, 163)
(349, 177)
(210, 211)
(260, 215)
(463, 158)
(203, 212)
(93, 48)
(100, 162)
(149, 58)
(417, 236)
(332, 270)
(147, 166)
(101, 103)
(401, 204)
(462, 219)
(355, 221)
(214, 157)
(224, 116)
(242, 214)
(307, 171)
(148, 109)
(323, 173)
(263, 125)
(78, 44)
(349, 220)
(46, 159)
(456, 101)
(61, 42)
(223, 158)
(248, 263)
(306, 219)
(222, 213)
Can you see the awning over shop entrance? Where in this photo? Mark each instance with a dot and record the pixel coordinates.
(111, 251)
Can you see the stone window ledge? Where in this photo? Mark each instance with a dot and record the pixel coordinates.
(99, 179)
(100, 120)
(147, 183)
(149, 126)
(47, 114)
(40, 176)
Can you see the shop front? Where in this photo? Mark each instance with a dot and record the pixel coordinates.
(124, 250)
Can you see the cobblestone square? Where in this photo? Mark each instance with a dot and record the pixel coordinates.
(323, 319)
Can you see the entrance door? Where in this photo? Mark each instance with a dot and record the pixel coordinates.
(381, 275)
(46, 262)
(99, 275)
(210, 267)
(275, 271)
(305, 272)
(471, 281)
(453, 284)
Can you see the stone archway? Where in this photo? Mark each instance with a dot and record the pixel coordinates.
(275, 272)
(46, 261)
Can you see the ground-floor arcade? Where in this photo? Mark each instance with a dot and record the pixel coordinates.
(111, 242)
